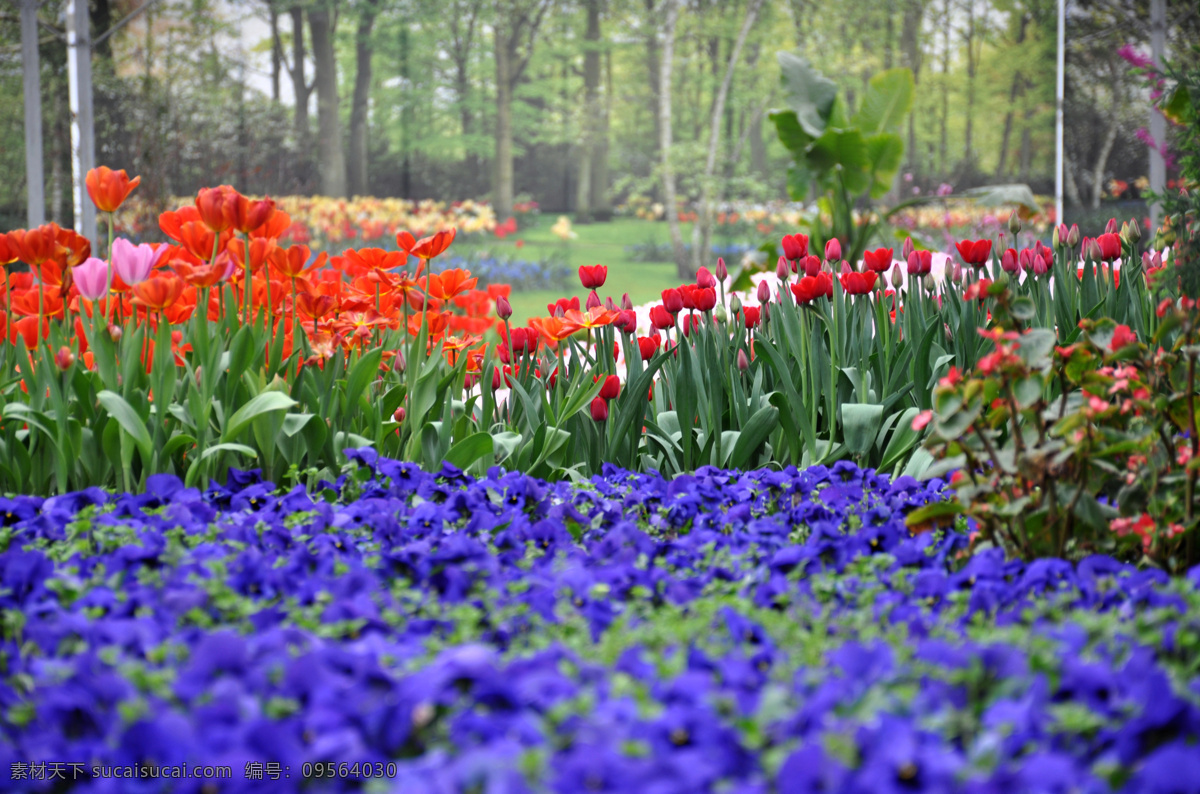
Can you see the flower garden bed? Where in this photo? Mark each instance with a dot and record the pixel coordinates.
(723, 631)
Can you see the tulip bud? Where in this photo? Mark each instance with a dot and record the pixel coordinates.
(846, 267)
(1093, 251)
(626, 303)
(897, 276)
(722, 271)
(1025, 260)
(1111, 226)
(599, 409)
(948, 271)
(400, 363)
(812, 265)
(735, 305)
(833, 250)
(957, 273)
(1014, 222)
(720, 314)
(764, 292)
(1008, 262)
(558, 311)
(503, 308)
(782, 269)
(115, 333)
(928, 282)
(1073, 235)
(65, 359)
(608, 304)
(593, 300)
(743, 363)
(907, 249)
(399, 414)
(1055, 238)
(1135, 231)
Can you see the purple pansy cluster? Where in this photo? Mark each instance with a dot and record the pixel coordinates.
(401, 630)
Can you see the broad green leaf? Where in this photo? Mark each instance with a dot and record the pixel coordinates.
(753, 435)
(860, 426)
(472, 448)
(365, 370)
(129, 421)
(807, 92)
(264, 403)
(938, 512)
(1002, 195)
(228, 447)
(886, 152)
(888, 100)
(842, 152)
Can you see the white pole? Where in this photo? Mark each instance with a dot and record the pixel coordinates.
(1060, 92)
(83, 152)
(1158, 124)
(30, 68)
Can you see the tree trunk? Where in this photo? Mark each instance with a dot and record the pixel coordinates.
(276, 52)
(502, 195)
(601, 204)
(332, 160)
(360, 104)
(654, 70)
(1013, 92)
(515, 30)
(299, 80)
(702, 228)
(972, 68)
(463, 44)
(591, 112)
(910, 45)
(664, 142)
(1109, 137)
(942, 140)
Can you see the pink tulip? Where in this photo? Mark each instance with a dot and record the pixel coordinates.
(92, 278)
(134, 263)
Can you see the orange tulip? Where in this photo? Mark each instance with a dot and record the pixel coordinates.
(71, 248)
(368, 259)
(159, 292)
(109, 188)
(261, 250)
(553, 329)
(251, 215)
(218, 207)
(172, 222)
(291, 261)
(595, 317)
(429, 247)
(8, 253)
(437, 324)
(275, 225)
(34, 246)
(448, 283)
(314, 307)
(199, 240)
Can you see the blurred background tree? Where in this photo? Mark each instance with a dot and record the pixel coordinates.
(556, 101)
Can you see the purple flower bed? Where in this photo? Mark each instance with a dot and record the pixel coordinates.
(727, 632)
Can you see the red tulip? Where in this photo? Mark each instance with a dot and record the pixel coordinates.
(833, 250)
(648, 346)
(810, 288)
(743, 363)
(592, 276)
(879, 260)
(920, 263)
(503, 308)
(705, 279)
(858, 283)
(564, 304)
(795, 246)
(812, 265)
(611, 387)
(672, 300)
(1009, 262)
(764, 292)
(660, 318)
(599, 409)
(65, 359)
(974, 252)
(705, 299)
(750, 315)
(626, 321)
(1110, 246)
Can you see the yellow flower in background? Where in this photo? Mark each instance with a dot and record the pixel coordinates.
(562, 229)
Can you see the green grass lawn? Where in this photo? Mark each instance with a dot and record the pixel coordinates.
(597, 243)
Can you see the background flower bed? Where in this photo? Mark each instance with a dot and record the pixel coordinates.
(761, 631)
